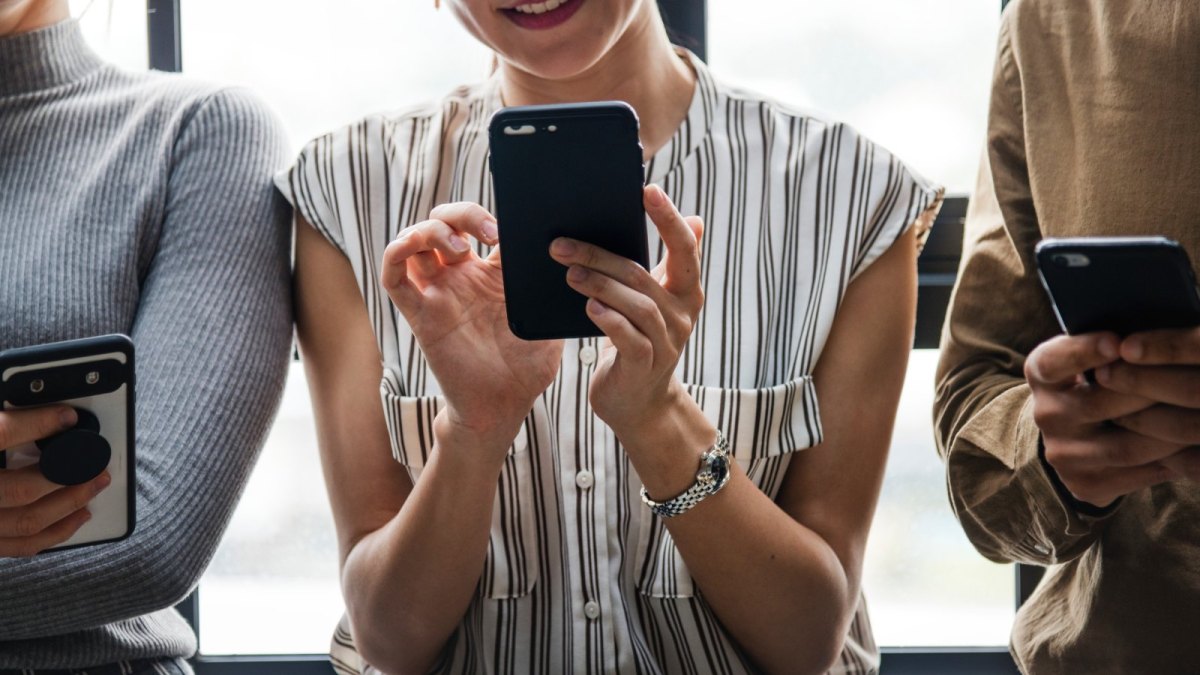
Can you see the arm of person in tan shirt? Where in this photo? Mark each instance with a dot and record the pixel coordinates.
(999, 486)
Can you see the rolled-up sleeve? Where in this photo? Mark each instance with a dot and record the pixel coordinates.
(999, 485)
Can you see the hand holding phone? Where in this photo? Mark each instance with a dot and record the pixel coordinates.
(66, 431)
(36, 514)
(1115, 297)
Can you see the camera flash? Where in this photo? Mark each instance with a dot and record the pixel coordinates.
(36, 386)
(92, 377)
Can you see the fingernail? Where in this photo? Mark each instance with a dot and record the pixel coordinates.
(596, 307)
(67, 417)
(490, 233)
(103, 481)
(87, 515)
(577, 273)
(459, 244)
(655, 196)
(1135, 348)
(1102, 374)
(404, 234)
(562, 246)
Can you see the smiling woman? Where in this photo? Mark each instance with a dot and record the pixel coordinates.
(279, 559)
(528, 506)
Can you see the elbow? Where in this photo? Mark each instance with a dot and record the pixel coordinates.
(392, 653)
(165, 580)
(817, 657)
(822, 660)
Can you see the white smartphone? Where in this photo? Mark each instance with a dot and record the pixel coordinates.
(96, 377)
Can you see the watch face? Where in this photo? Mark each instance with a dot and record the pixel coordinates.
(719, 467)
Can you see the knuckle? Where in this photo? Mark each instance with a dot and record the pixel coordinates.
(1033, 367)
(643, 350)
(646, 309)
(1046, 412)
(15, 493)
(26, 524)
(637, 277)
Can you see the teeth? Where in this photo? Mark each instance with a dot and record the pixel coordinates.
(540, 7)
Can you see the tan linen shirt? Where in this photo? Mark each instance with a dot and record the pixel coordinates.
(1094, 129)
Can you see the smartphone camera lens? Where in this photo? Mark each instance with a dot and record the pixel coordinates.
(1072, 260)
(36, 386)
(92, 377)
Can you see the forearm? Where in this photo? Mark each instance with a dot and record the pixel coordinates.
(776, 585)
(409, 584)
(1000, 489)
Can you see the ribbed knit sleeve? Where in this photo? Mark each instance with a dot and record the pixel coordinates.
(212, 333)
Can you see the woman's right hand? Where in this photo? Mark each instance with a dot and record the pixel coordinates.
(36, 514)
(454, 302)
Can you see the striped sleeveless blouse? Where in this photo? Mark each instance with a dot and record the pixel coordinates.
(580, 576)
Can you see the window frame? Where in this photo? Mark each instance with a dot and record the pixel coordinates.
(937, 269)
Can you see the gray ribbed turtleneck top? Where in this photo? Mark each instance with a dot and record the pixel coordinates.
(141, 204)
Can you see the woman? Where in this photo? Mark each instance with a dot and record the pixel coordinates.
(490, 513)
(136, 203)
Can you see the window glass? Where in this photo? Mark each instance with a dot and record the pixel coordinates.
(913, 75)
(273, 586)
(324, 64)
(925, 584)
(115, 29)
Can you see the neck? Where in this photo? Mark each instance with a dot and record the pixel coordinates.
(30, 16)
(641, 69)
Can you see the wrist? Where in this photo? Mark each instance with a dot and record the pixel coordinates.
(455, 434)
(666, 447)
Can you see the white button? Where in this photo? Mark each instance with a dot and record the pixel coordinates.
(584, 479)
(587, 355)
(591, 610)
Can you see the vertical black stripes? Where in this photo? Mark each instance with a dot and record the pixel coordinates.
(793, 208)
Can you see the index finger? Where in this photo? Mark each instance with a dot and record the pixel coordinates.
(1060, 360)
(681, 240)
(1163, 347)
(468, 217)
(33, 424)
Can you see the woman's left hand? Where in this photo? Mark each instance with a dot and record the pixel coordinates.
(647, 316)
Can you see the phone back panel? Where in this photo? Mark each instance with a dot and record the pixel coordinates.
(570, 170)
(62, 368)
(1124, 285)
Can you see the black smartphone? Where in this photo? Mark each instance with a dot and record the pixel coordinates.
(96, 377)
(1119, 284)
(572, 170)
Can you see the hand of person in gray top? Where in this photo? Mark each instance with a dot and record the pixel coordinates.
(36, 514)
(1162, 366)
(1097, 461)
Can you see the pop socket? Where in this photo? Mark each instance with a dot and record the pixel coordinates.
(76, 456)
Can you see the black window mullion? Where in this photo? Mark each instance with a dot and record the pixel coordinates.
(163, 37)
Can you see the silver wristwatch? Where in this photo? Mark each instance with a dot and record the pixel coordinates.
(713, 475)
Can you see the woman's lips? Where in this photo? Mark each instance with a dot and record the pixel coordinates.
(542, 15)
